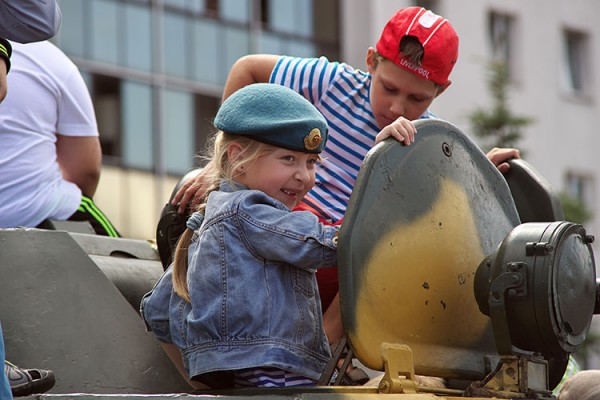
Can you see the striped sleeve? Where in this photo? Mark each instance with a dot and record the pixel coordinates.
(308, 76)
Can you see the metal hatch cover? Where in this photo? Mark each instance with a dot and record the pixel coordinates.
(419, 221)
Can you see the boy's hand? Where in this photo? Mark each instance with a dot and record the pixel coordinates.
(500, 156)
(401, 129)
(190, 194)
(187, 193)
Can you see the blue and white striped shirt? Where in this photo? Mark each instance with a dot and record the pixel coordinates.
(341, 94)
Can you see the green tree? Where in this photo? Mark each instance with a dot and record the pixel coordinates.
(498, 126)
(575, 209)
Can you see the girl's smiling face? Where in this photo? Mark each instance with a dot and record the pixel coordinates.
(285, 175)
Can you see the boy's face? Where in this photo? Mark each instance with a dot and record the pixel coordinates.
(396, 92)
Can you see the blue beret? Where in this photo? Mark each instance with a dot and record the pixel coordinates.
(275, 115)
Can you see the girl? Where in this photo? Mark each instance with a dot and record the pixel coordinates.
(243, 304)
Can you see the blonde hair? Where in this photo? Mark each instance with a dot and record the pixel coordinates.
(219, 168)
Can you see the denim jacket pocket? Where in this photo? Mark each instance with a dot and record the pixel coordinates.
(304, 282)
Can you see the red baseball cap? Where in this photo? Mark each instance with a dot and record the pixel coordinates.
(436, 35)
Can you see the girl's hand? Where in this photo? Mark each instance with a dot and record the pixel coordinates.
(401, 129)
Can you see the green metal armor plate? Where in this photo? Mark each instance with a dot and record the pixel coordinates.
(420, 220)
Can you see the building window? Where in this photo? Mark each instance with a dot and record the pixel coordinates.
(581, 187)
(178, 123)
(206, 108)
(138, 125)
(177, 48)
(212, 6)
(74, 28)
(501, 37)
(107, 105)
(290, 16)
(105, 31)
(235, 10)
(137, 43)
(575, 71)
(326, 27)
(206, 61)
(304, 28)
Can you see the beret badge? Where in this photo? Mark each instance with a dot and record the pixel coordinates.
(313, 139)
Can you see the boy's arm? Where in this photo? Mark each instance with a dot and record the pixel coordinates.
(500, 156)
(255, 68)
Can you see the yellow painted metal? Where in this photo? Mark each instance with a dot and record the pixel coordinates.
(380, 396)
(399, 368)
(431, 262)
(327, 393)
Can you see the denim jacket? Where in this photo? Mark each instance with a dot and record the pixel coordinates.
(251, 279)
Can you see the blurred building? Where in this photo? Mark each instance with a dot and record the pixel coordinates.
(156, 70)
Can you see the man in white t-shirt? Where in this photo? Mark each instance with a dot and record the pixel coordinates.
(50, 157)
(23, 21)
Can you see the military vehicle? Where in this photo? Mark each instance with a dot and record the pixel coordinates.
(447, 269)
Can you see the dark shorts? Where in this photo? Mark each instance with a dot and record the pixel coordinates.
(88, 211)
(327, 280)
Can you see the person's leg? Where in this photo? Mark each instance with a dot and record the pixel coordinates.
(88, 211)
(334, 330)
(175, 356)
(332, 321)
(5, 392)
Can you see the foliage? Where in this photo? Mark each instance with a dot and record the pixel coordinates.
(575, 209)
(498, 126)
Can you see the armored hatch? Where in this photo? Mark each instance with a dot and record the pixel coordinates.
(420, 220)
